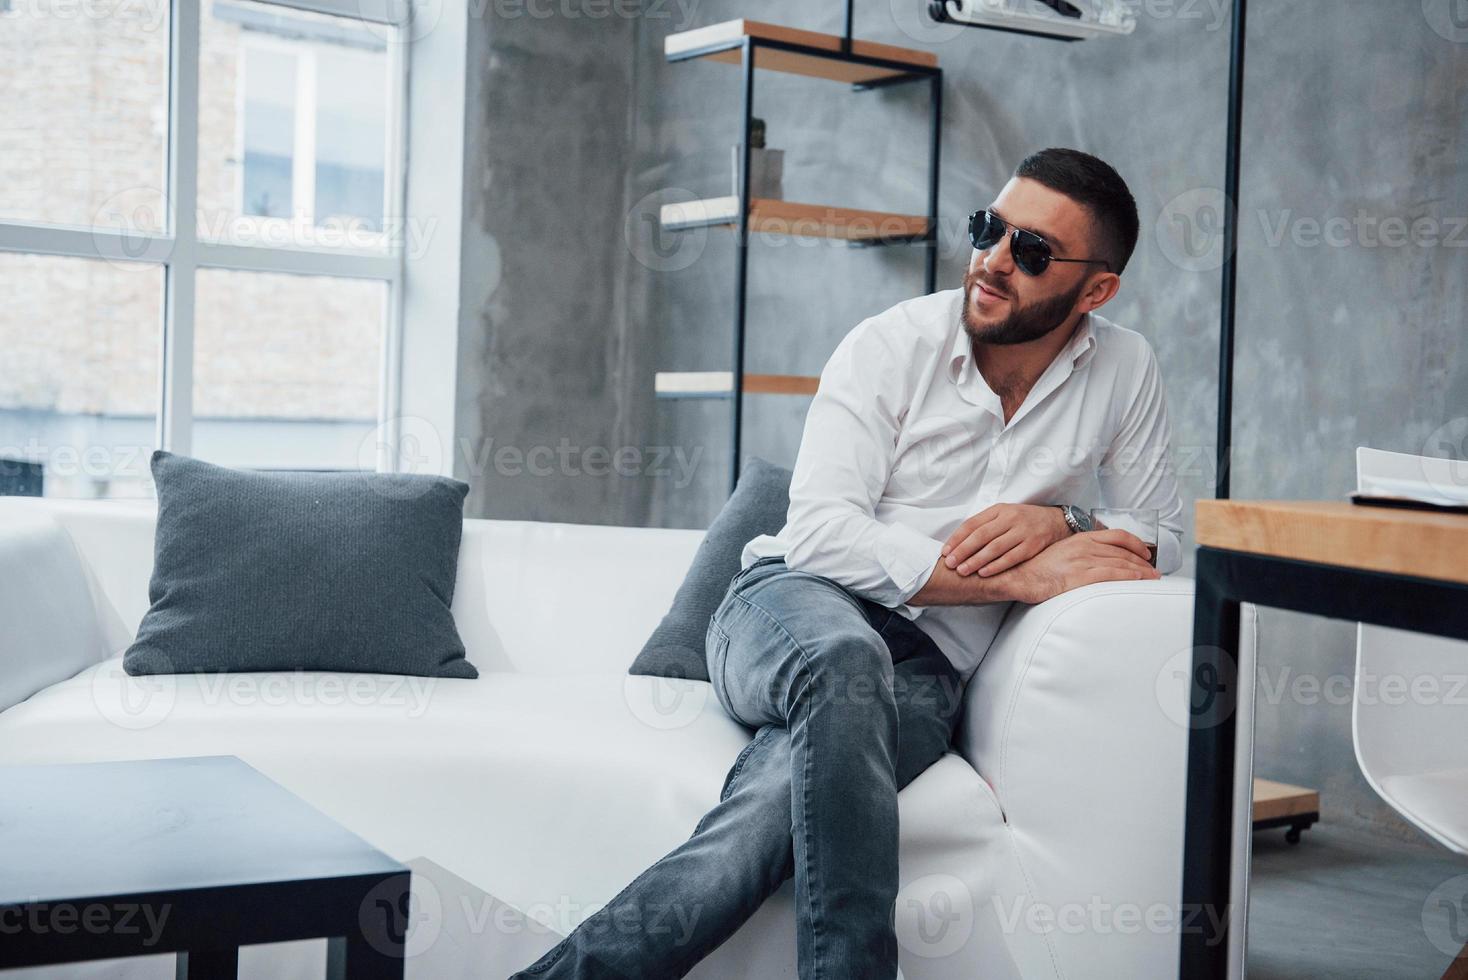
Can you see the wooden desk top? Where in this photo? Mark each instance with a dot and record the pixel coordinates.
(1378, 539)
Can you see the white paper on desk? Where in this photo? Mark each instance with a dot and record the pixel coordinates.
(1429, 480)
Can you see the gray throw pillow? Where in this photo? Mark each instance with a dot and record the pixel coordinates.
(258, 571)
(757, 506)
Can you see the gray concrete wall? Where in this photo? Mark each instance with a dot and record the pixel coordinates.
(543, 312)
(1355, 110)
(1355, 342)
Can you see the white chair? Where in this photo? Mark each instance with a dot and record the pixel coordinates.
(1408, 717)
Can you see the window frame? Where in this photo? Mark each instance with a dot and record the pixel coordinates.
(181, 253)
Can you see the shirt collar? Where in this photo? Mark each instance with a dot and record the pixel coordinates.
(1083, 343)
(960, 357)
(961, 353)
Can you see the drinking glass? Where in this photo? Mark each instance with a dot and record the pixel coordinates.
(1141, 522)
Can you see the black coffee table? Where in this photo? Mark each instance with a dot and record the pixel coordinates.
(192, 856)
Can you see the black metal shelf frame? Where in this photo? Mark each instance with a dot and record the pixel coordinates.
(1228, 295)
(749, 45)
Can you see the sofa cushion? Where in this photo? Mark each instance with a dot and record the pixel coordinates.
(757, 506)
(50, 631)
(260, 571)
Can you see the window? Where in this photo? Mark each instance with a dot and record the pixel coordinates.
(79, 397)
(293, 135)
(277, 354)
(72, 153)
(350, 127)
(223, 281)
(268, 132)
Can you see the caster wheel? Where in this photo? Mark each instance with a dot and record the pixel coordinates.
(938, 10)
(1292, 836)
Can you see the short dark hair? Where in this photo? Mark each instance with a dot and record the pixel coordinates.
(1094, 184)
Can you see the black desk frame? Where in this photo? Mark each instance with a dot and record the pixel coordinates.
(1224, 580)
(363, 918)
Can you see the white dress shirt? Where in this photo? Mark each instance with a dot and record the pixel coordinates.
(904, 441)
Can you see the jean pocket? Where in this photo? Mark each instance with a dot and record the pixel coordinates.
(716, 645)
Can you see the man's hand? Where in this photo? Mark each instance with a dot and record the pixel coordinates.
(1000, 537)
(1081, 559)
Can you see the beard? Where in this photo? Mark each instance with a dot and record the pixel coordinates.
(1025, 323)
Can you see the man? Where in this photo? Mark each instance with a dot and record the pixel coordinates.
(948, 435)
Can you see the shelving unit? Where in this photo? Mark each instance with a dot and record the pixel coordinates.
(755, 45)
(720, 384)
(803, 220)
(798, 52)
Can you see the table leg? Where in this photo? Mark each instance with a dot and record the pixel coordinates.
(355, 958)
(207, 964)
(1208, 834)
(375, 949)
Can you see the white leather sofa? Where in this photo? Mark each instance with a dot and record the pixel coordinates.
(1047, 844)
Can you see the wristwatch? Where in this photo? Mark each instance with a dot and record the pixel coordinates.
(1076, 519)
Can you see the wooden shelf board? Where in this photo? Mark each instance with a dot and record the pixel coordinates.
(794, 62)
(720, 384)
(801, 220)
(1273, 801)
(1378, 539)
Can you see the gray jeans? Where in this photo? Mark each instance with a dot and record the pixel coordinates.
(851, 701)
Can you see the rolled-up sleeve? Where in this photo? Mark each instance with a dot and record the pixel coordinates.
(846, 456)
(1137, 472)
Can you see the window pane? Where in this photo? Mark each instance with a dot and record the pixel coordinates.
(269, 132)
(351, 127)
(79, 363)
(85, 143)
(292, 128)
(286, 370)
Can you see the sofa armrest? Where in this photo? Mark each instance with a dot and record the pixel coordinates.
(1078, 719)
(50, 627)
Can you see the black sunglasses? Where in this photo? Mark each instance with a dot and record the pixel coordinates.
(1032, 254)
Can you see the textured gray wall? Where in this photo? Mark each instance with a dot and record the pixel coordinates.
(1356, 342)
(543, 315)
(1355, 110)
